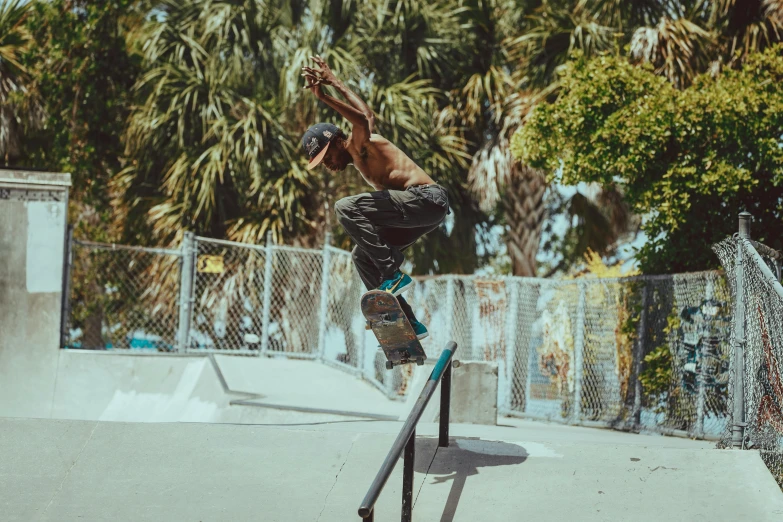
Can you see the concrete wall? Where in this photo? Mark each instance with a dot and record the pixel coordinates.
(474, 393)
(33, 209)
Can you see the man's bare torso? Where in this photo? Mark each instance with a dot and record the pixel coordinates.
(384, 166)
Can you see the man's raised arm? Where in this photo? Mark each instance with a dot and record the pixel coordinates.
(358, 113)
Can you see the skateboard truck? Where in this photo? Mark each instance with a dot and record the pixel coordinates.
(420, 361)
(390, 365)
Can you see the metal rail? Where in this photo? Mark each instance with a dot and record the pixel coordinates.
(406, 440)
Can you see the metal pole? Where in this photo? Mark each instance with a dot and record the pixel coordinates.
(269, 259)
(326, 255)
(185, 291)
(579, 353)
(368, 503)
(511, 342)
(641, 330)
(450, 308)
(738, 369)
(445, 407)
(407, 478)
(698, 431)
(65, 313)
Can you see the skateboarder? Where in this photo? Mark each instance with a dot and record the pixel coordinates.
(405, 205)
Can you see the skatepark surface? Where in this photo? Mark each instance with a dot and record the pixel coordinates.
(158, 438)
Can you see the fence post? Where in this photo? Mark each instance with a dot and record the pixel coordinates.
(65, 313)
(641, 329)
(325, 257)
(698, 431)
(268, 260)
(450, 307)
(511, 340)
(738, 369)
(579, 353)
(185, 291)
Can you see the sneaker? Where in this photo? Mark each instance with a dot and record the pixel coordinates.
(419, 329)
(398, 284)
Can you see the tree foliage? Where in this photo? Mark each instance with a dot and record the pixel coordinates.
(688, 161)
(81, 73)
(17, 108)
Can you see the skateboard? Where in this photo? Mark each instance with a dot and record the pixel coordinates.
(389, 324)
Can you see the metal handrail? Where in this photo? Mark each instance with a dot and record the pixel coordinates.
(407, 437)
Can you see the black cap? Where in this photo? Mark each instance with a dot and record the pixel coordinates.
(316, 141)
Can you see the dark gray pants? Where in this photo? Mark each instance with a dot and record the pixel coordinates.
(386, 222)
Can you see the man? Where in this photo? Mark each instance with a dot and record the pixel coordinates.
(405, 205)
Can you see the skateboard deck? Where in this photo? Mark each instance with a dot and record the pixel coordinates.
(389, 324)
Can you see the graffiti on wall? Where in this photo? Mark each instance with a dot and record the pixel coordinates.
(702, 336)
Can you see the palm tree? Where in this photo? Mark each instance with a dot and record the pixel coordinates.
(15, 107)
(519, 69)
(679, 38)
(213, 139)
(213, 142)
(695, 36)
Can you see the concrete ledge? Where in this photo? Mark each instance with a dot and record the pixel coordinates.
(31, 177)
(474, 393)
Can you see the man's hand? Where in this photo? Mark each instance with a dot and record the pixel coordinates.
(355, 111)
(314, 84)
(321, 72)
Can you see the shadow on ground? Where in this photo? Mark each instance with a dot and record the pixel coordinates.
(462, 459)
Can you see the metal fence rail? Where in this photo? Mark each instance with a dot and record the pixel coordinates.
(640, 353)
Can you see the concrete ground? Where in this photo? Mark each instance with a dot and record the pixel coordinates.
(63, 470)
(163, 438)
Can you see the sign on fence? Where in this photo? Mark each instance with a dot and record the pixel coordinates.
(210, 264)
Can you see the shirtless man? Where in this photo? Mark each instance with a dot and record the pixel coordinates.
(405, 205)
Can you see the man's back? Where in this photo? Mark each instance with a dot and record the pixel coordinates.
(384, 166)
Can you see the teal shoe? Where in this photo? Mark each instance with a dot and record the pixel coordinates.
(398, 284)
(419, 329)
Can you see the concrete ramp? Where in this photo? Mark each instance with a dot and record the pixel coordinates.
(140, 388)
(78, 470)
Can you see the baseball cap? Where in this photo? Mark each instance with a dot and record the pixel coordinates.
(316, 142)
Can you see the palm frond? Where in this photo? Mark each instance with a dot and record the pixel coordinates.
(678, 49)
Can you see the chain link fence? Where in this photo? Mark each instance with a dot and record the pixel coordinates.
(755, 390)
(122, 297)
(641, 353)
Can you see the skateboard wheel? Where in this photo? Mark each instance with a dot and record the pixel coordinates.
(456, 364)
(389, 365)
(420, 361)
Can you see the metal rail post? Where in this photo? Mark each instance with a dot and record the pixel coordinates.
(267, 293)
(185, 292)
(445, 407)
(738, 368)
(324, 308)
(407, 478)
